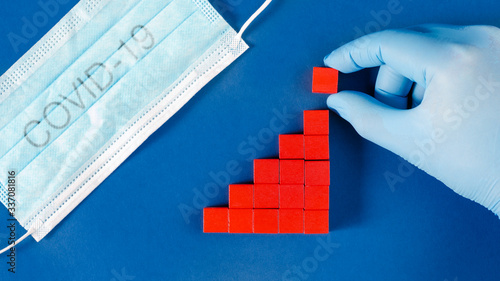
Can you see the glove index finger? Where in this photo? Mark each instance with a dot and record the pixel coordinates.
(411, 53)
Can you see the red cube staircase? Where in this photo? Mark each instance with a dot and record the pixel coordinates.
(289, 194)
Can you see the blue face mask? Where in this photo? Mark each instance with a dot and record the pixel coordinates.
(93, 89)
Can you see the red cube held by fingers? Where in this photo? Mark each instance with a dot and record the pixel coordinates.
(215, 220)
(316, 122)
(325, 80)
(266, 171)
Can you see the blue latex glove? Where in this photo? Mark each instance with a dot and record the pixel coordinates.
(454, 132)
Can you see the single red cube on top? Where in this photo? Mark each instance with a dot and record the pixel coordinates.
(266, 171)
(325, 80)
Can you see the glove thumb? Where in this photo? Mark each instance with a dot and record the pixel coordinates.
(393, 129)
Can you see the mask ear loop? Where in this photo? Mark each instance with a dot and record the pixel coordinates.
(30, 231)
(253, 17)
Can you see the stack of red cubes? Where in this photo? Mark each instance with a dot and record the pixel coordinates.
(289, 194)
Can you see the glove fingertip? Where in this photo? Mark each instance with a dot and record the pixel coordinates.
(327, 61)
(337, 104)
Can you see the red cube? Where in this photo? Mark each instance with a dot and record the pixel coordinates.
(266, 171)
(291, 196)
(291, 146)
(291, 221)
(267, 196)
(316, 122)
(240, 220)
(241, 196)
(317, 197)
(292, 171)
(317, 147)
(316, 221)
(325, 80)
(215, 220)
(317, 172)
(265, 221)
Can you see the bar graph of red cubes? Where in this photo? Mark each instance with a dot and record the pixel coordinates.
(289, 194)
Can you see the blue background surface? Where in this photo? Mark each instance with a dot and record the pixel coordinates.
(131, 227)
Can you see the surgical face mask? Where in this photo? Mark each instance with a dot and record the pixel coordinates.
(108, 75)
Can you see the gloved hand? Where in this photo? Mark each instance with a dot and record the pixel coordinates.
(454, 132)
